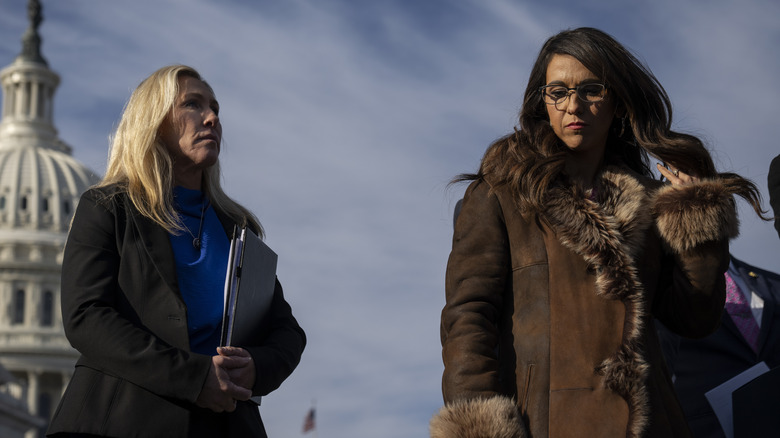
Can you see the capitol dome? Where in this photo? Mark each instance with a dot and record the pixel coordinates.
(40, 186)
(40, 181)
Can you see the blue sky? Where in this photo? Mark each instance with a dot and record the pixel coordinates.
(343, 123)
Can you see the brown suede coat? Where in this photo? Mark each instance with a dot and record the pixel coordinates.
(557, 314)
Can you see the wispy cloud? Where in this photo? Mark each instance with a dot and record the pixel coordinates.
(344, 121)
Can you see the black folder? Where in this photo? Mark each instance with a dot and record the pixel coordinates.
(249, 289)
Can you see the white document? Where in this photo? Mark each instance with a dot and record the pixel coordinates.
(720, 396)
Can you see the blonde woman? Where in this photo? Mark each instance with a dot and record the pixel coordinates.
(142, 282)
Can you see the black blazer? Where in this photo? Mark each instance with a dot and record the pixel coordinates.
(773, 181)
(122, 310)
(702, 364)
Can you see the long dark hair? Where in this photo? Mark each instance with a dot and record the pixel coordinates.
(531, 158)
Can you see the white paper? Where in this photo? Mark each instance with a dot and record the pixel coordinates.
(720, 396)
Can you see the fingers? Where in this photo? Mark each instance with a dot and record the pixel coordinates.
(667, 173)
(230, 362)
(236, 392)
(675, 176)
(239, 365)
(237, 373)
(244, 376)
(219, 392)
(229, 393)
(232, 351)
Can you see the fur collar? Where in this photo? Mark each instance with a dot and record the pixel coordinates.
(608, 234)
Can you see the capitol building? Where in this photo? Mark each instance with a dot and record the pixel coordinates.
(40, 185)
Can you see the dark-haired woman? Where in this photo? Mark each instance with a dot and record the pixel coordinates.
(566, 248)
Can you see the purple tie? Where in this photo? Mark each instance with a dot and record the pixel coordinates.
(740, 313)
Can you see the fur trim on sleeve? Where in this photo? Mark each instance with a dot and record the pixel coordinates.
(495, 417)
(690, 215)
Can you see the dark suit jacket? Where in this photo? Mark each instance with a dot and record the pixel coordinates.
(773, 181)
(122, 310)
(702, 364)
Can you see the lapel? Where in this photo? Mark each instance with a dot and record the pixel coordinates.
(154, 240)
(759, 283)
(732, 327)
(767, 333)
(227, 224)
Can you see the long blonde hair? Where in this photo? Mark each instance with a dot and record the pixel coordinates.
(140, 163)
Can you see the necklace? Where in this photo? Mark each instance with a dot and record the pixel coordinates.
(196, 239)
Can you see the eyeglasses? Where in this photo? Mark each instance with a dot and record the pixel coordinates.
(558, 94)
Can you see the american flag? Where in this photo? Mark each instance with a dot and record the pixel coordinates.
(308, 422)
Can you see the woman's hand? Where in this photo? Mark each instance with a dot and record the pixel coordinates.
(219, 392)
(241, 367)
(675, 176)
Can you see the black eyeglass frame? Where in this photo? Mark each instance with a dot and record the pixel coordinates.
(569, 91)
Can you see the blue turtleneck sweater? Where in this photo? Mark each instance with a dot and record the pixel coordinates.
(201, 272)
